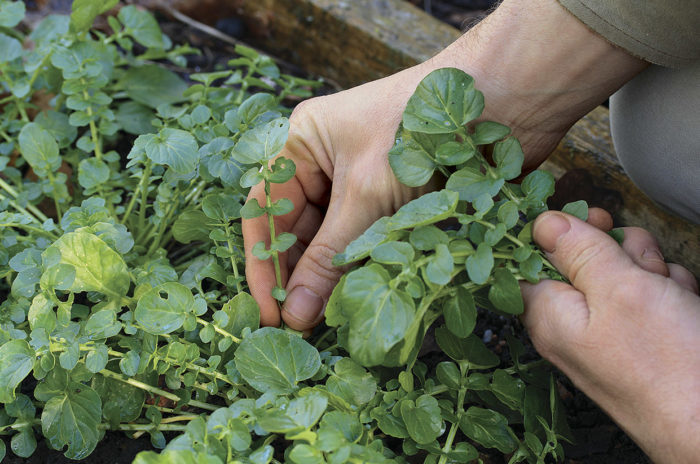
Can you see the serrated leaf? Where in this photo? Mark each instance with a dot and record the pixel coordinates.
(444, 102)
(274, 360)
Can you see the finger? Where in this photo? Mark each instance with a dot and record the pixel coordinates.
(598, 217)
(553, 312)
(260, 274)
(588, 257)
(644, 250)
(315, 276)
(683, 277)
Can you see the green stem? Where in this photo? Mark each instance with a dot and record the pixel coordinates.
(56, 200)
(144, 195)
(273, 234)
(9, 189)
(219, 330)
(142, 184)
(234, 264)
(448, 443)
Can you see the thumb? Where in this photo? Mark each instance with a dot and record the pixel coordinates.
(591, 259)
(314, 276)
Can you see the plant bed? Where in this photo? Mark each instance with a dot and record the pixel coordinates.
(123, 269)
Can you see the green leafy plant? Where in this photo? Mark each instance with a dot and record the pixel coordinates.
(124, 306)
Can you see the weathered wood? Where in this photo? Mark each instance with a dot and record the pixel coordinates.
(355, 41)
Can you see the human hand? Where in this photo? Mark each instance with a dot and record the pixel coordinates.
(625, 331)
(343, 140)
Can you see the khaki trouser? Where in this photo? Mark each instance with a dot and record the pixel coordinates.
(655, 122)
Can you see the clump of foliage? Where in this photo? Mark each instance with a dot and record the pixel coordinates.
(124, 304)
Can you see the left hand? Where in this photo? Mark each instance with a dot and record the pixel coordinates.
(626, 331)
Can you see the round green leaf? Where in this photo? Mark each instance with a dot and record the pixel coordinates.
(163, 309)
(174, 147)
(16, 361)
(273, 360)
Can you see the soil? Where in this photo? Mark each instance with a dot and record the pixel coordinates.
(598, 439)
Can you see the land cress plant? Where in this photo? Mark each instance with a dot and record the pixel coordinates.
(124, 303)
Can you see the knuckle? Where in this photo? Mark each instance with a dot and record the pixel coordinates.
(319, 257)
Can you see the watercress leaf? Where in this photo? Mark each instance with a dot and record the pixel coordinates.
(361, 247)
(453, 153)
(142, 26)
(427, 209)
(508, 214)
(261, 252)
(84, 12)
(251, 177)
(252, 209)
(16, 361)
(274, 360)
(23, 444)
(488, 428)
(262, 143)
(538, 186)
(444, 102)
(281, 207)
(58, 126)
(98, 268)
(411, 164)
(488, 132)
(129, 364)
(578, 209)
(426, 238)
(162, 309)
(92, 172)
(469, 183)
(493, 236)
(102, 324)
(393, 252)
(531, 267)
(509, 157)
(152, 85)
(282, 170)
(96, 360)
(174, 147)
(10, 48)
(135, 118)
(352, 382)
(39, 149)
(306, 454)
(470, 349)
(448, 374)
(221, 206)
(460, 313)
(422, 418)
(200, 114)
(337, 429)
(283, 242)
(440, 266)
(71, 418)
(380, 314)
(252, 109)
(48, 30)
(505, 292)
(618, 235)
(191, 225)
(509, 390)
(11, 13)
(479, 264)
(242, 311)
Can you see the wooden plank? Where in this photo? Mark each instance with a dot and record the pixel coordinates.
(355, 41)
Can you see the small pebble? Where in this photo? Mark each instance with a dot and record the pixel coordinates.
(487, 335)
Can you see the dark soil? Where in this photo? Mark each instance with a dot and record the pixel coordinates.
(598, 439)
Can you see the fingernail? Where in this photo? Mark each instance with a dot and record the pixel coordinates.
(548, 229)
(652, 254)
(303, 304)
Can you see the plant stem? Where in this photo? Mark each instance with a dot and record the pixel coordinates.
(273, 235)
(144, 195)
(9, 189)
(448, 443)
(144, 180)
(219, 330)
(234, 265)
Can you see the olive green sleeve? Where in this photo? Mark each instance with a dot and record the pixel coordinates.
(663, 32)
